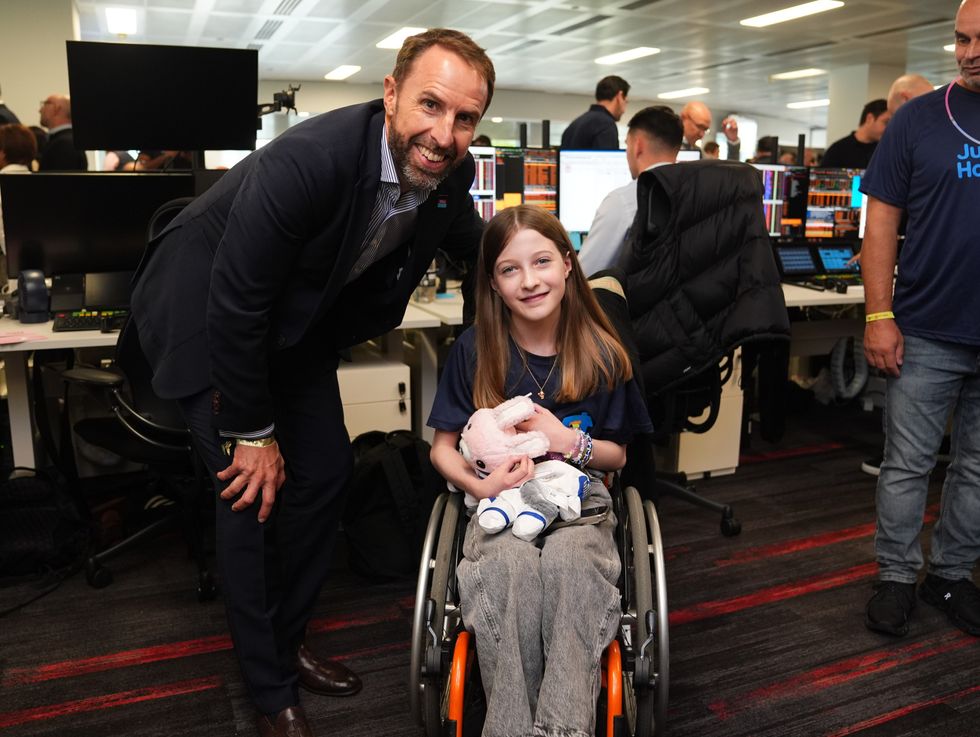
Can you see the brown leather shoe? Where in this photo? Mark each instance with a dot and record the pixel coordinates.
(289, 722)
(326, 677)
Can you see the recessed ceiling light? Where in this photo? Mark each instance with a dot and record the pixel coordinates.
(121, 21)
(396, 39)
(799, 74)
(638, 53)
(803, 104)
(689, 92)
(496, 119)
(791, 13)
(949, 47)
(342, 72)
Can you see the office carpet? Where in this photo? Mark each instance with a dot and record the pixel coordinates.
(767, 633)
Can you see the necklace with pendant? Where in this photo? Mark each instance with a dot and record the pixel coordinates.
(527, 367)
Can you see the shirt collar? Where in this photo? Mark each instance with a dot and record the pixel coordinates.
(389, 175)
(59, 128)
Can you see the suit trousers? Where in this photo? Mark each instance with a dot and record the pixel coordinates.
(271, 573)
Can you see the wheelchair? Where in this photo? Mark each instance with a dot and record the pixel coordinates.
(446, 694)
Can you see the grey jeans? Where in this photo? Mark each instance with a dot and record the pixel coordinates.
(542, 614)
(935, 377)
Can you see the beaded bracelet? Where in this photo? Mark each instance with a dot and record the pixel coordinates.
(582, 452)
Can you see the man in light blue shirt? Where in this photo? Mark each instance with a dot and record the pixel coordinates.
(654, 138)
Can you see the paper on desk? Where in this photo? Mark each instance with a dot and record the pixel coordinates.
(12, 337)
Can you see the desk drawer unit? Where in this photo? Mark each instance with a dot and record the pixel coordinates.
(376, 394)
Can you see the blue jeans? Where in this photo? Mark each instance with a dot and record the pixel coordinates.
(542, 617)
(936, 377)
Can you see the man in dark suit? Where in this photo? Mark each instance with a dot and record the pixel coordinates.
(596, 127)
(312, 244)
(59, 153)
(6, 114)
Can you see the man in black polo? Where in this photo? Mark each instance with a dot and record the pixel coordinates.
(596, 127)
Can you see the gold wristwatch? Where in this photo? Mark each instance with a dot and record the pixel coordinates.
(228, 445)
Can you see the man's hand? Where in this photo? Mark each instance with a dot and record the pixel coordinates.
(253, 471)
(730, 127)
(884, 346)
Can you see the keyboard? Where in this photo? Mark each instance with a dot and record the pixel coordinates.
(104, 320)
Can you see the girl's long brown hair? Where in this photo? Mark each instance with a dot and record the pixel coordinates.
(589, 353)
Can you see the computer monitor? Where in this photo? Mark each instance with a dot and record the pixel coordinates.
(584, 179)
(834, 203)
(835, 257)
(693, 154)
(863, 217)
(77, 223)
(796, 261)
(541, 178)
(484, 187)
(784, 203)
(144, 96)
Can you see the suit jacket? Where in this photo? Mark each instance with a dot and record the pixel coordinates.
(257, 265)
(7, 115)
(60, 154)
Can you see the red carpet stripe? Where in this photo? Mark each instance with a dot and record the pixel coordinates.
(109, 701)
(708, 609)
(904, 711)
(167, 651)
(843, 671)
(809, 543)
(778, 455)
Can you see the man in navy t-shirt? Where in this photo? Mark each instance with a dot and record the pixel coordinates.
(927, 339)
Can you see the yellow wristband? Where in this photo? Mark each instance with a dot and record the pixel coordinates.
(879, 316)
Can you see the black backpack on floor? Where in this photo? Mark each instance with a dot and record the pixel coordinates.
(389, 497)
(42, 529)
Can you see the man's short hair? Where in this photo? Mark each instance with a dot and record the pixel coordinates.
(661, 124)
(610, 86)
(18, 144)
(455, 41)
(710, 147)
(875, 107)
(768, 144)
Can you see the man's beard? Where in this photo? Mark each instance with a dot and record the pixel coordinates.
(401, 152)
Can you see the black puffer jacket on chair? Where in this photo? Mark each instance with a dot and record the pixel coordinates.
(701, 275)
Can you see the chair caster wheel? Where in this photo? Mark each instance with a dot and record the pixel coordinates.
(97, 575)
(730, 526)
(206, 589)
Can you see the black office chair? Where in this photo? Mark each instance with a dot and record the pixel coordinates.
(700, 280)
(149, 431)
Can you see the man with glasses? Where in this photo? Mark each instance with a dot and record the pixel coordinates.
(59, 154)
(696, 118)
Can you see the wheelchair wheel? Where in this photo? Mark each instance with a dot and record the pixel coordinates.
(661, 643)
(638, 596)
(436, 614)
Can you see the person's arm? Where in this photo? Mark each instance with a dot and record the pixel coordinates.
(883, 341)
(451, 465)
(606, 234)
(606, 454)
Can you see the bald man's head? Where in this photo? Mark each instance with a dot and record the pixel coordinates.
(905, 88)
(55, 111)
(696, 118)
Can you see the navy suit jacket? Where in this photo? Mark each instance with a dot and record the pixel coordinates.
(259, 263)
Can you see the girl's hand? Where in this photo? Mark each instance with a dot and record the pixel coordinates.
(561, 439)
(514, 472)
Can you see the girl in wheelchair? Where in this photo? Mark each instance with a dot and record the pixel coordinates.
(542, 612)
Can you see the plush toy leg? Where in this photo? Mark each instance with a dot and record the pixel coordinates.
(499, 512)
(538, 511)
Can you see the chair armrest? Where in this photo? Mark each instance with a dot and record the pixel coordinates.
(93, 377)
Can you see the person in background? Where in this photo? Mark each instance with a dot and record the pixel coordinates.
(6, 114)
(596, 128)
(163, 160)
(905, 88)
(59, 153)
(17, 151)
(118, 161)
(696, 118)
(312, 244)
(854, 151)
(654, 138)
(711, 150)
(924, 334)
(787, 158)
(765, 150)
(482, 140)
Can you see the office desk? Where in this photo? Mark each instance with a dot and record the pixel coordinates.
(817, 337)
(16, 357)
(802, 297)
